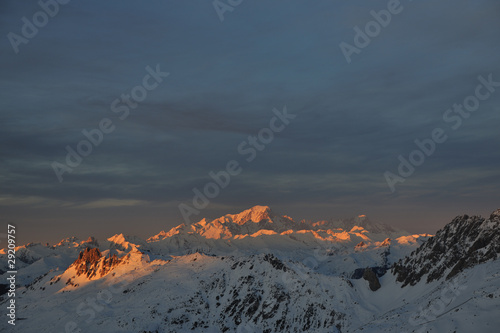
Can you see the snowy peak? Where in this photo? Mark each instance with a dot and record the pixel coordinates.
(311, 277)
(461, 244)
(260, 227)
(93, 264)
(122, 242)
(74, 242)
(364, 222)
(70, 241)
(255, 214)
(495, 215)
(385, 243)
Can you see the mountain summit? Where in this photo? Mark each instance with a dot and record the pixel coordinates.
(260, 225)
(255, 214)
(465, 242)
(258, 271)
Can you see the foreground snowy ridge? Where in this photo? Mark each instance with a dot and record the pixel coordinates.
(257, 271)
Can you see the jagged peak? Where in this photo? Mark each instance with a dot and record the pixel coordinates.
(90, 254)
(360, 246)
(361, 223)
(461, 244)
(121, 238)
(260, 208)
(90, 241)
(386, 242)
(67, 241)
(161, 235)
(123, 242)
(165, 234)
(357, 229)
(251, 221)
(76, 242)
(254, 214)
(93, 264)
(495, 214)
(117, 238)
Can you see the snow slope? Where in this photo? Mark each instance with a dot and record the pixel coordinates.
(261, 272)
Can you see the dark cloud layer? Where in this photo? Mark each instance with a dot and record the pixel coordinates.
(352, 120)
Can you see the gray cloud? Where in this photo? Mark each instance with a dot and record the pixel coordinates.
(352, 120)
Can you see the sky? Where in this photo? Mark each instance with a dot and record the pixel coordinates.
(175, 90)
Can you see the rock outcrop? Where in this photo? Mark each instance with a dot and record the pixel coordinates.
(463, 243)
(370, 276)
(92, 263)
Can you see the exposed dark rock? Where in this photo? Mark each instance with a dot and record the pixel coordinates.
(379, 272)
(495, 215)
(386, 242)
(461, 244)
(360, 245)
(92, 263)
(275, 262)
(372, 279)
(256, 302)
(91, 242)
(4, 288)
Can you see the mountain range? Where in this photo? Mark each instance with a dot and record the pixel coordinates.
(258, 271)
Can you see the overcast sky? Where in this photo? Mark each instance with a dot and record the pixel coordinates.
(352, 120)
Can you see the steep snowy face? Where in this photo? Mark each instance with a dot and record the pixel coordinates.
(123, 243)
(255, 214)
(195, 292)
(248, 222)
(227, 226)
(311, 277)
(461, 244)
(258, 293)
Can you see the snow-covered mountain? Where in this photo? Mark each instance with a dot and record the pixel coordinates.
(258, 271)
(463, 243)
(259, 227)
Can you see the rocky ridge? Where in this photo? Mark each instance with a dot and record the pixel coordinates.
(463, 243)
